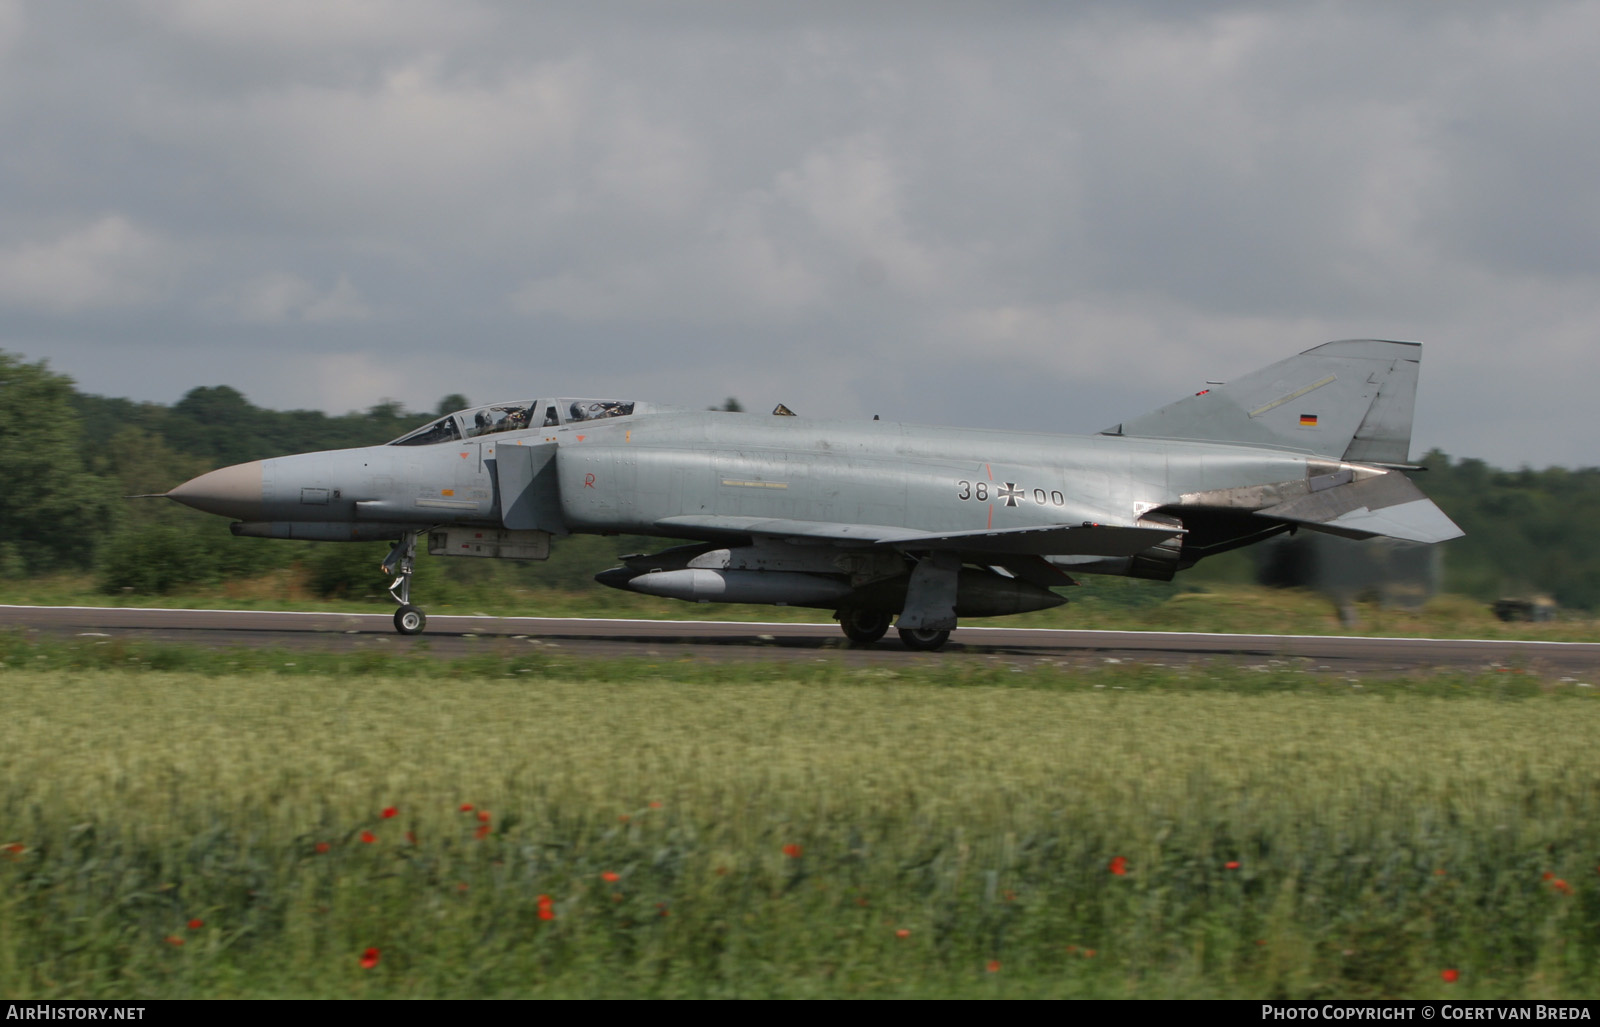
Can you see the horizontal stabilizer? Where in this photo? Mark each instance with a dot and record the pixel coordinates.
(1386, 504)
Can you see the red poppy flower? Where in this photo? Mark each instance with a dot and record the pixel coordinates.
(196, 924)
(368, 837)
(1232, 864)
(994, 966)
(654, 804)
(175, 941)
(1561, 886)
(482, 832)
(546, 913)
(16, 848)
(323, 847)
(792, 851)
(1548, 874)
(1119, 865)
(610, 876)
(369, 959)
(483, 816)
(1449, 976)
(1088, 953)
(544, 901)
(623, 819)
(902, 934)
(466, 807)
(389, 811)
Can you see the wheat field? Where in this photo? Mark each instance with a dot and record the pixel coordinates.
(594, 829)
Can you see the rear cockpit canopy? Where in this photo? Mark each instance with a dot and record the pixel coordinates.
(513, 416)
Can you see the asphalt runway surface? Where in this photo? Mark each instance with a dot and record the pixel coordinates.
(723, 641)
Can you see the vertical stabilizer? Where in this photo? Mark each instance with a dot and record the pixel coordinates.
(1350, 400)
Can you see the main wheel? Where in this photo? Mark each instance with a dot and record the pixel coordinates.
(924, 640)
(408, 620)
(864, 626)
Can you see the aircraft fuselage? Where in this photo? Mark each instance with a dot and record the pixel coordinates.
(871, 518)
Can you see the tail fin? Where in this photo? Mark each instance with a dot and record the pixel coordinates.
(1350, 400)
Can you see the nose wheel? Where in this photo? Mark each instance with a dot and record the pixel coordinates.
(408, 620)
(401, 562)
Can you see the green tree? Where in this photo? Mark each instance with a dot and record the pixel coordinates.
(55, 511)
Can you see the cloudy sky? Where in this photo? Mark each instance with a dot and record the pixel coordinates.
(1041, 215)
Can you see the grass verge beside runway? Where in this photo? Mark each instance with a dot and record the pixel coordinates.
(179, 822)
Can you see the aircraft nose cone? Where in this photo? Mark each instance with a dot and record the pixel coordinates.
(229, 491)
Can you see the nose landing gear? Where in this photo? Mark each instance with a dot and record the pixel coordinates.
(401, 561)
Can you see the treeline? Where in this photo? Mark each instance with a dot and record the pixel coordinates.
(69, 463)
(1527, 532)
(67, 460)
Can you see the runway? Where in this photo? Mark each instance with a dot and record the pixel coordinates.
(456, 636)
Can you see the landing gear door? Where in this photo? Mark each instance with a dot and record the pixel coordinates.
(530, 497)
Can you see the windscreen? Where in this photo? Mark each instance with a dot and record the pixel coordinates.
(442, 430)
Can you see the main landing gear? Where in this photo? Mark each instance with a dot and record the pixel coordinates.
(401, 561)
(864, 627)
(924, 640)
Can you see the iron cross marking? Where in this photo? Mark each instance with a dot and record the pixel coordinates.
(1011, 493)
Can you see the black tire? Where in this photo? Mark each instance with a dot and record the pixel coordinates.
(924, 640)
(408, 620)
(864, 627)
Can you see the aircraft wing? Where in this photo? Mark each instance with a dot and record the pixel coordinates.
(1388, 504)
(1052, 540)
(781, 527)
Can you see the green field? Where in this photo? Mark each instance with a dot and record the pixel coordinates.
(784, 830)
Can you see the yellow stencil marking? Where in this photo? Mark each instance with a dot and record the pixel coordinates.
(1258, 411)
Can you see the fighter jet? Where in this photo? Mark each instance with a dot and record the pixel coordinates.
(883, 523)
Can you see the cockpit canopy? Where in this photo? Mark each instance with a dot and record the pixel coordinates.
(513, 416)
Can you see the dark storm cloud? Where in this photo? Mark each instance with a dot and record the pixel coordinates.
(1014, 214)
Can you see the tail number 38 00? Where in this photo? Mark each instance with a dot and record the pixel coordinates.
(982, 491)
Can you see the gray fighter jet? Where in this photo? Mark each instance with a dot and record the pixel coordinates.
(871, 519)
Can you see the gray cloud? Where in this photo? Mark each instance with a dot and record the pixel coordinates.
(1009, 215)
